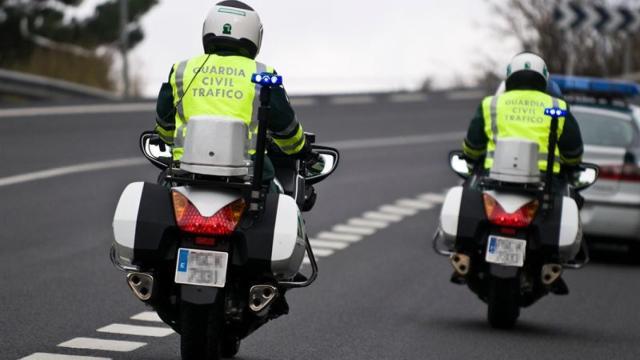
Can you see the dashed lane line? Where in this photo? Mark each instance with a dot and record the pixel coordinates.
(102, 344)
(378, 216)
(137, 330)
(151, 316)
(333, 245)
(48, 356)
(356, 230)
(368, 222)
(333, 236)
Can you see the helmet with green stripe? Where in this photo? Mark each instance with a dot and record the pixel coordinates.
(232, 26)
(527, 70)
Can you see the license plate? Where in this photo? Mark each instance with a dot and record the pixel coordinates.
(200, 267)
(506, 251)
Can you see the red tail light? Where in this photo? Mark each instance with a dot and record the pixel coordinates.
(626, 172)
(519, 219)
(224, 222)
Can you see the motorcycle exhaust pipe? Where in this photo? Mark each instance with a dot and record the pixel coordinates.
(460, 263)
(141, 284)
(551, 273)
(261, 296)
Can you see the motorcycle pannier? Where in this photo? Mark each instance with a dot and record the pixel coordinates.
(515, 161)
(217, 146)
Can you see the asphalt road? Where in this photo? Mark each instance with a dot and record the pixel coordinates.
(385, 297)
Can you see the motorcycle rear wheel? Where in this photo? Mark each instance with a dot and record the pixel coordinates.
(503, 303)
(201, 327)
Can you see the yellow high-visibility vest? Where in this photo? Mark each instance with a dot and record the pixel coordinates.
(520, 114)
(215, 85)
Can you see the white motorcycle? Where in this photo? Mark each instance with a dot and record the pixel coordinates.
(213, 248)
(508, 234)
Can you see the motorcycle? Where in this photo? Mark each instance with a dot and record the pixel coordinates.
(507, 233)
(211, 247)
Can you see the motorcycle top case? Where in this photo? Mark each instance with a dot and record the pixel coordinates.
(142, 223)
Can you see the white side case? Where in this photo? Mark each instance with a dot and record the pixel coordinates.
(288, 239)
(449, 216)
(125, 222)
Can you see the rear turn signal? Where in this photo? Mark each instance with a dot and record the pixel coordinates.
(519, 219)
(189, 219)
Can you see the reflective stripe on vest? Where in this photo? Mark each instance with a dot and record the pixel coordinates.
(520, 114)
(214, 85)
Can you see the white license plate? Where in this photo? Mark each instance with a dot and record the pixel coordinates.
(506, 251)
(200, 267)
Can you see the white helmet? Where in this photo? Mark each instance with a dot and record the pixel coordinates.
(232, 24)
(528, 66)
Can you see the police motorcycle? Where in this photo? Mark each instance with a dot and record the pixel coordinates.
(214, 251)
(507, 234)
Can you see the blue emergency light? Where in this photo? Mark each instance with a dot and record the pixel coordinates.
(596, 87)
(555, 112)
(267, 79)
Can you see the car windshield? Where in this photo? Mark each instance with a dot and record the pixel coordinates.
(605, 128)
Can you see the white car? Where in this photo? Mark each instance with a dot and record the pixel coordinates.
(612, 141)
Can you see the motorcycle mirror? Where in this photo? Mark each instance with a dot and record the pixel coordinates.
(155, 150)
(459, 165)
(325, 166)
(586, 177)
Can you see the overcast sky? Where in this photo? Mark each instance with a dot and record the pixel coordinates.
(337, 45)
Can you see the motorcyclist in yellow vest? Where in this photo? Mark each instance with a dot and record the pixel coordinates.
(519, 112)
(219, 83)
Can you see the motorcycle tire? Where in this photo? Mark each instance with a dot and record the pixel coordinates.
(229, 347)
(503, 303)
(201, 327)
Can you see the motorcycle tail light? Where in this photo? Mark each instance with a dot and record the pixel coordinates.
(189, 219)
(519, 219)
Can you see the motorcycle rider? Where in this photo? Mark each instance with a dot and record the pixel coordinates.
(219, 83)
(519, 112)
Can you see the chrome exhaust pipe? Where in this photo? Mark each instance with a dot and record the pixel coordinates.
(261, 296)
(460, 263)
(141, 284)
(551, 273)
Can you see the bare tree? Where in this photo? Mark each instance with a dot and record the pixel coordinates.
(532, 23)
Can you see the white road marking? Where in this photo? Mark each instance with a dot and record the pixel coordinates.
(47, 356)
(410, 97)
(126, 329)
(147, 316)
(323, 252)
(352, 100)
(335, 245)
(73, 169)
(416, 204)
(102, 344)
(433, 197)
(357, 230)
(304, 101)
(397, 210)
(80, 109)
(306, 261)
(326, 235)
(374, 215)
(466, 95)
(397, 141)
(367, 222)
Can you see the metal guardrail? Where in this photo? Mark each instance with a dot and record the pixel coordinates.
(35, 87)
